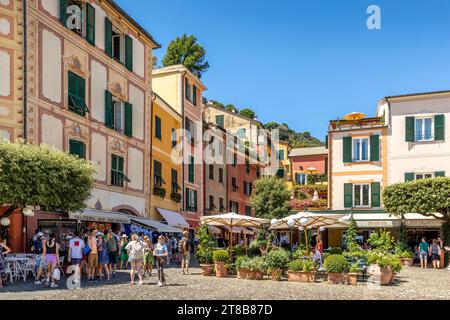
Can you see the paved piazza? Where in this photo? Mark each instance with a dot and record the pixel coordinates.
(414, 283)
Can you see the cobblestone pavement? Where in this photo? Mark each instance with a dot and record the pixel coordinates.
(414, 283)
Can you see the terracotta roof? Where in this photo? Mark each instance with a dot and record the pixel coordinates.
(308, 151)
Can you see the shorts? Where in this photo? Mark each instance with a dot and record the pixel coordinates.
(423, 255)
(435, 256)
(113, 257)
(76, 261)
(40, 263)
(51, 259)
(93, 260)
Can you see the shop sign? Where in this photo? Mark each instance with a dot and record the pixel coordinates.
(106, 218)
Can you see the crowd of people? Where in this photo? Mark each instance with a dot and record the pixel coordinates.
(98, 255)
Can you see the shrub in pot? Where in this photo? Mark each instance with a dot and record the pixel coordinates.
(204, 254)
(336, 265)
(242, 267)
(302, 271)
(407, 258)
(257, 267)
(380, 271)
(277, 261)
(335, 251)
(353, 275)
(396, 265)
(221, 258)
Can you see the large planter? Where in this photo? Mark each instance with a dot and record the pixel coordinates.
(206, 269)
(408, 262)
(221, 269)
(393, 277)
(378, 275)
(336, 278)
(309, 277)
(276, 274)
(254, 275)
(242, 273)
(352, 279)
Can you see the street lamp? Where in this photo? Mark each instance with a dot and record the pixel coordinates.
(291, 223)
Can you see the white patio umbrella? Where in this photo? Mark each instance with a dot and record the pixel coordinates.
(234, 220)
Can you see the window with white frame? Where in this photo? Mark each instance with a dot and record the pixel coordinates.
(118, 46)
(118, 115)
(424, 129)
(302, 179)
(361, 195)
(361, 149)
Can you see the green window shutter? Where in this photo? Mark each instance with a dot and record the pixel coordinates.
(186, 89)
(158, 128)
(120, 164)
(439, 127)
(220, 121)
(347, 149)
(195, 201)
(410, 128)
(376, 194)
(108, 110)
(128, 119)
(326, 166)
(73, 84)
(186, 199)
(77, 148)
(439, 174)
(82, 89)
(191, 169)
(375, 148)
(90, 24)
(63, 12)
(326, 141)
(348, 195)
(409, 176)
(108, 37)
(129, 53)
(194, 95)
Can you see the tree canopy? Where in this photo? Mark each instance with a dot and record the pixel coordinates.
(271, 198)
(186, 51)
(296, 139)
(247, 112)
(426, 197)
(42, 176)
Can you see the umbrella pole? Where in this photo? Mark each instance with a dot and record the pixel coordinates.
(231, 239)
(306, 241)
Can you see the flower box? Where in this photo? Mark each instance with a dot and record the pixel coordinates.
(309, 277)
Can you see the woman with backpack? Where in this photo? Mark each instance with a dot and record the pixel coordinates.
(135, 249)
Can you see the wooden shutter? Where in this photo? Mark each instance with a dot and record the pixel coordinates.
(409, 176)
(326, 166)
(347, 149)
(90, 24)
(195, 200)
(348, 195)
(81, 89)
(376, 194)
(191, 169)
(157, 127)
(439, 174)
(439, 127)
(63, 12)
(120, 164)
(128, 119)
(194, 95)
(128, 52)
(375, 148)
(187, 199)
(77, 148)
(73, 84)
(108, 37)
(409, 129)
(186, 89)
(108, 110)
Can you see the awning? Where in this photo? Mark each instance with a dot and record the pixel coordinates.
(161, 227)
(239, 230)
(100, 216)
(173, 218)
(214, 230)
(384, 220)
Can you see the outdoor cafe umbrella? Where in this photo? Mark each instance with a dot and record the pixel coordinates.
(354, 116)
(309, 220)
(233, 220)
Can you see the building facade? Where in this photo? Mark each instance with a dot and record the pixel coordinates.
(282, 151)
(308, 161)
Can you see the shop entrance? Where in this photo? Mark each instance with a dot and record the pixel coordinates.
(415, 236)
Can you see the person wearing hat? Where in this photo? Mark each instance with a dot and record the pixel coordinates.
(123, 252)
(93, 255)
(185, 251)
(38, 248)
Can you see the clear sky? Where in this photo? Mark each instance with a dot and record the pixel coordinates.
(307, 62)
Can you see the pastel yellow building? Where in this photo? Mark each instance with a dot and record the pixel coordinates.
(283, 149)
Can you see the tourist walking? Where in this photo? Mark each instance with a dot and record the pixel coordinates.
(4, 250)
(92, 255)
(103, 260)
(51, 255)
(424, 253)
(435, 252)
(40, 264)
(112, 246)
(75, 256)
(161, 253)
(149, 260)
(123, 253)
(185, 252)
(135, 250)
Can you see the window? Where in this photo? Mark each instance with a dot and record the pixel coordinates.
(301, 179)
(174, 178)
(212, 206)
(241, 133)
(194, 95)
(211, 172)
(157, 174)
(187, 89)
(86, 21)
(191, 128)
(258, 172)
(77, 94)
(118, 115)
(77, 148)
(247, 188)
(421, 176)
(158, 134)
(220, 121)
(247, 166)
(117, 174)
(424, 129)
(234, 159)
(234, 186)
(248, 211)
(280, 155)
(281, 173)
(361, 149)
(191, 170)
(220, 175)
(361, 195)
(191, 200)
(234, 207)
(174, 138)
(221, 205)
(118, 46)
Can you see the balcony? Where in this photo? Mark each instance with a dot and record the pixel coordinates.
(366, 123)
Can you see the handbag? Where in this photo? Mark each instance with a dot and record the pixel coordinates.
(56, 274)
(87, 250)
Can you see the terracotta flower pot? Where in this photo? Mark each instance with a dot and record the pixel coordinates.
(408, 262)
(352, 279)
(393, 277)
(378, 275)
(255, 275)
(309, 277)
(221, 269)
(242, 273)
(206, 269)
(335, 278)
(276, 274)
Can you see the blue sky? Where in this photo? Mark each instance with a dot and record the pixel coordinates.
(307, 62)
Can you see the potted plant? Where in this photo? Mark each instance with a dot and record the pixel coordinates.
(380, 271)
(221, 258)
(204, 254)
(159, 192)
(175, 197)
(302, 271)
(396, 264)
(256, 268)
(242, 267)
(407, 258)
(336, 265)
(277, 261)
(353, 275)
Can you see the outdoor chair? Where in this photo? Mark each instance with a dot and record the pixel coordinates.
(10, 272)
(20, 271)
(30, 266)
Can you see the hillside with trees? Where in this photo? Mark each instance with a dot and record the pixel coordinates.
(296, 139)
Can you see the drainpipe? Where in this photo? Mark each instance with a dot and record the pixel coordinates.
(25, 73)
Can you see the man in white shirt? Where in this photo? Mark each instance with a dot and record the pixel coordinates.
(76, 246)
